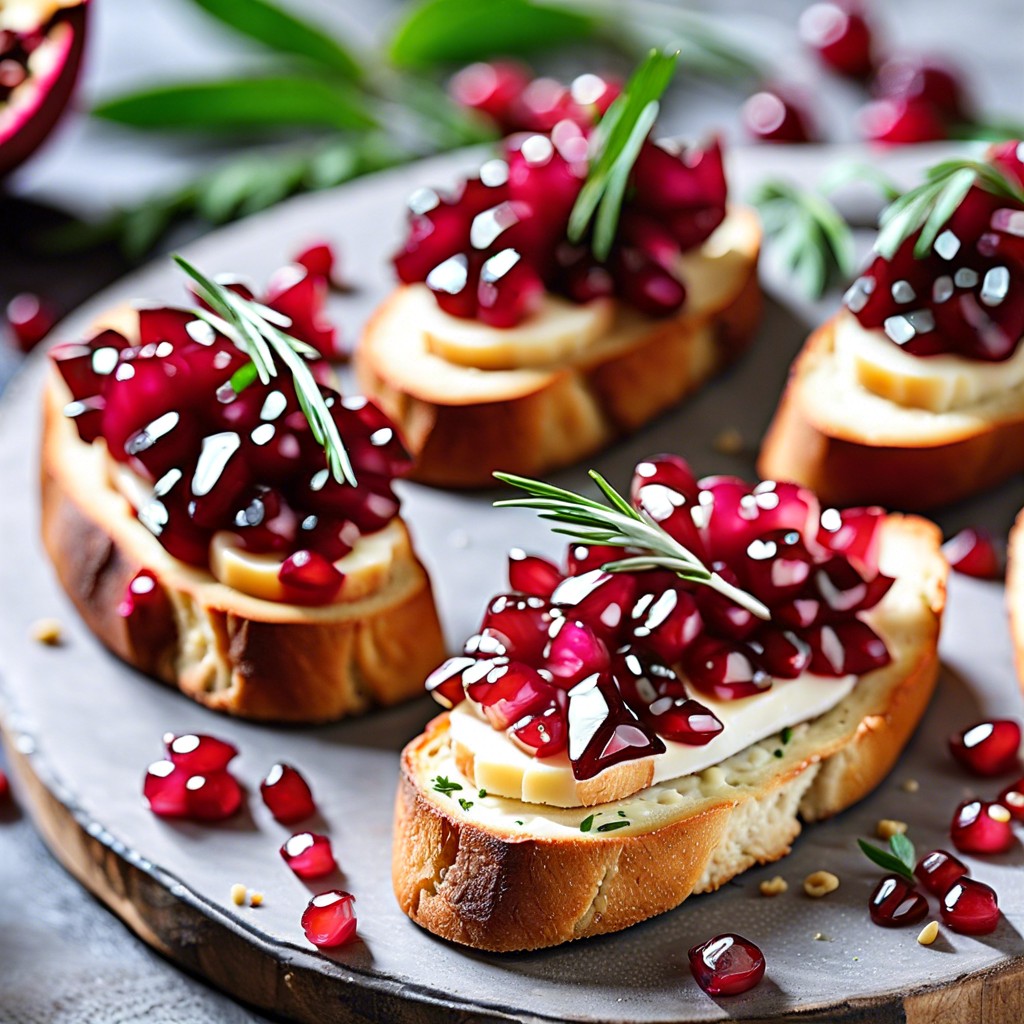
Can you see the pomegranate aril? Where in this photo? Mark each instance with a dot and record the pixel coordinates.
(601, 600)
(672, 509)
(509, 692)
(603, 731)
(673, 471)
(646, 285)
(973, 553)
(771, 117)
(781, 653)
(435, 235)
(574, 653)
(840, 35)
(722, 615)
(584, 558)
(970, 907)
(199, 754)
(85, 367)
(938, 870)
(850, 647)
(318, 260)
(454, 284)
(509, 290)
(301, 296)
(594, 93)
(541, 735)
(491, 88)
(541, 105)
(919, 78)
(981, 827)
(444, 684)
(723, 670)
(900, 121)
(727, 965)
(329, 920)
(164, 789)
(682, 720)
(665, 623)
(854, 533)
(776, 565)
(895, 903)
(642, 678)
(308, 578)
(30, 319)
(1012, 798)
(5, 787)
(309, 855)
(531, 574)
(287, 794)
(988, 748)
(212, 796)
(143, 597)
(521, 624)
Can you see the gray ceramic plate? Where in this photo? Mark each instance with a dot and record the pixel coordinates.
(90, 725)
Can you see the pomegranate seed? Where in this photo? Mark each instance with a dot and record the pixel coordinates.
(769, 117)
(575, 652)
(723, 670)
(30, 319)
(583, 558)
(143, 595)
(198, 754)
(918, 78)
(510, 692)
(672, 471)
(318, 259)
(594, 93)
(5, 787)
(780, 653)
(1012, 798)
(895, 903)
(840, 35)
(509, 290)
(212, 796)
(971, 908)
(988, 748)
(666, 623)
(672, 510)
(938, 870)
(309, 855)
(520, 624)
(541, 735)
(647, 286)
(308, 578)
(493, 89)
(329, 919)
(721, 613)
(287, 794)
(531, 574)
(973, 553)
(776, 565)
(900, 121)
(164, 789)
(727, 965)
(444, 684)
(981, 827)
(600, 599)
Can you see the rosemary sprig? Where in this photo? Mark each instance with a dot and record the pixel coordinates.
(261, 333)
(810, 237)
(616, 145)
(933, 202)
(620, 525)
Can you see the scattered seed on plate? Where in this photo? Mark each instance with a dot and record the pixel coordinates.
(46, 631)
(928, 933)
(911, 786)
(256, 899)
(773, 886)
(238, 894)
(889, 827)
(820, 883)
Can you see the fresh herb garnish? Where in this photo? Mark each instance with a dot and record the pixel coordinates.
(482, 794)
(590, 522)
(464, 803)
(810, 238)
(611, 826)
(621, 814)
(587, 823)
(778, 751)
(261, 333)
(900, 857)
(615, 146)
(442, 784)
(519, 821)
(933, 202)
(787, 735)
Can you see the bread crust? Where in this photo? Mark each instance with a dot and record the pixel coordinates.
(504, 889)
(241, 655)
(539, 420)
(963, 454)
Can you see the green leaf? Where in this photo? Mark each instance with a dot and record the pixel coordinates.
(611, 826)
(283, 32)
(903, 848)
(886, 860)
(241, 103)
(587, 823)
(436, 32)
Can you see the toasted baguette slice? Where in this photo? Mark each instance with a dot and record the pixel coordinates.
(505, 875)
(230, 651)
(853, 447)
(463, 422)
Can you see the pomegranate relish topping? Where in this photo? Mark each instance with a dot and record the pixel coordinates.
(965, 295)
(220, 450)
(606, 666)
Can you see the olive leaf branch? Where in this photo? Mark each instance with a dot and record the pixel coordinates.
(620, 525)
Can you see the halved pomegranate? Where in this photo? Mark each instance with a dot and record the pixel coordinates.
(41, 45)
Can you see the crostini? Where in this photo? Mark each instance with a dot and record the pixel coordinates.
(618, 740)
(213, 531)
(913, 394)
(515, 340)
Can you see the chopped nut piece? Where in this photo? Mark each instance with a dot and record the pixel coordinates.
(256, 899)
(821, 937)
(911, 785)
(889, 827)
(728, 442)
(773, 886)
(238, 894)
(46, 631)
(929, 933)
(820, 883)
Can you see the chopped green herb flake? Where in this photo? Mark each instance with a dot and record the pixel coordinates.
(442, 784)
(622, 814)
(464, 803)
(611, 826)
(518, 821)
(587, 823)
(482, 794)
(778, 752)
(787, 735)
